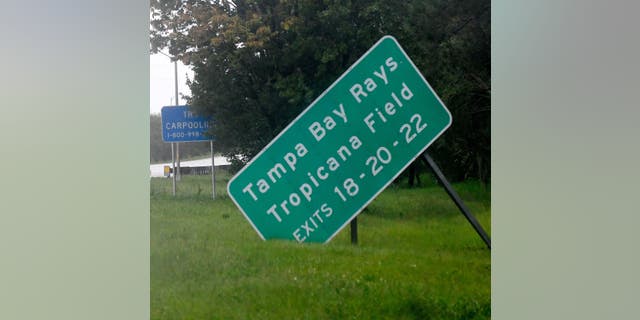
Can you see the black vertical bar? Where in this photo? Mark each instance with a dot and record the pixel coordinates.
(456, 199)
(354, 231)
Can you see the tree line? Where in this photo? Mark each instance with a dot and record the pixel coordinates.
(258, 64)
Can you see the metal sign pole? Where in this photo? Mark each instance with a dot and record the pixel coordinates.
(173, 166)
(456, 199)
(213, 174)
(354, 230)
(178, 161)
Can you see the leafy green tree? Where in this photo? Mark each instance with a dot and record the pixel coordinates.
(257, 64)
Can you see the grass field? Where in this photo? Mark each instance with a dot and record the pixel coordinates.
(417, 258)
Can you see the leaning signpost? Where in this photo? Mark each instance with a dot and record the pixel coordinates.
(181, 124)
(342, 150)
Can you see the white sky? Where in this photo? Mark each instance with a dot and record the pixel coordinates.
(162, 82)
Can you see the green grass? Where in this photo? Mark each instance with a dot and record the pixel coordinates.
(417, 258)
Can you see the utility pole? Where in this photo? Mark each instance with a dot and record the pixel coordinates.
(175, 157)
(175, 65)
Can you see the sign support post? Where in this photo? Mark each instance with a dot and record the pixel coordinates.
(354, 230)
(213, 174)
(456, 199)
(178, 161)
(173, 168)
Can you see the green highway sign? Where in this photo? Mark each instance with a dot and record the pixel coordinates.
(343, 150)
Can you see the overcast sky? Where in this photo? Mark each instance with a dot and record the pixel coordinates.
(161, 86)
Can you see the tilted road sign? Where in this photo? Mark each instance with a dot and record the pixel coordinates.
(343, 150)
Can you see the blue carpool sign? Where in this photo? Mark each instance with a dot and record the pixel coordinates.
(180, 124)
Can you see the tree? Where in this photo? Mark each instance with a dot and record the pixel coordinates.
(257, 64)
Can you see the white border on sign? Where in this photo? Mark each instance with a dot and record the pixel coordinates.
(313, 103)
